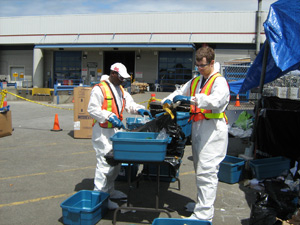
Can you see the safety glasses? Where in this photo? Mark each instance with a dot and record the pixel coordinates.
(120, 77)
(202, 66)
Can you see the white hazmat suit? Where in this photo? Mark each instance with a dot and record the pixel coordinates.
(209, 143)
(105, 174)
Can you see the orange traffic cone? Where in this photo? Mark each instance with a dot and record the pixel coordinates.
(56, 124)
(237, 102)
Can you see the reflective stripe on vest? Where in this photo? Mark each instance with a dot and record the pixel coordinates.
(200, 114)
(110, 104)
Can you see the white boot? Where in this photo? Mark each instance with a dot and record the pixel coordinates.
(112, 205)
(192, 217)
(117, 195)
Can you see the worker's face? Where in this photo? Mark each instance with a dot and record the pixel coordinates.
(116, 78)
(204, 67)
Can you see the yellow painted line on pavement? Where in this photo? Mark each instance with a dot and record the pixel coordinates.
(29, 147)
(87, 143)
(21, 176)
(187, 173)
(74, 169)
(45, 173)
(77, 153)
(66, 170)
(43, 145)
(36, 200)
(53, 196)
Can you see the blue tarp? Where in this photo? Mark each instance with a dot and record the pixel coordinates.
(282, 29)
(236, 85)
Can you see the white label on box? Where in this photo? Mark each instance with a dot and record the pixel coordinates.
(76, 125)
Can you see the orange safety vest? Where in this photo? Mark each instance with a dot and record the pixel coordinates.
(110, 103)
(200, 114)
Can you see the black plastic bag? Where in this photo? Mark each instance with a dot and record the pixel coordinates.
(164, 121)
(283, 202)
(273, 203)
(261, 212)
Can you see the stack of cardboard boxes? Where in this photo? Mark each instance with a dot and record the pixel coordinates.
(83, 122)
(5, 123)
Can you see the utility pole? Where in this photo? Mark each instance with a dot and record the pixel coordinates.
(258, 26)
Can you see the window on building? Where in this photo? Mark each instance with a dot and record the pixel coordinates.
(67, 67)
(174, 68)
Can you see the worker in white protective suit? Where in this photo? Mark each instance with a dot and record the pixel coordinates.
(107, 102)
(208, 96)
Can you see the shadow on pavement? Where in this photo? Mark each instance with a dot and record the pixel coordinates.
(250, 196)
(86, 184)
(71, 133)
(143, 195)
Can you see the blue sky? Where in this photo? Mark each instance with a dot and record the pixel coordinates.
(10, 8)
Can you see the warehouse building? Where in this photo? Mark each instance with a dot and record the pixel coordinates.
(41, 51)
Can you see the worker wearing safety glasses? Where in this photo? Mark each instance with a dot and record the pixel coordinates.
(208, 95)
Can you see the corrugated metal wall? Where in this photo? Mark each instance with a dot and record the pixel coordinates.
(225, 55)
(187, 27)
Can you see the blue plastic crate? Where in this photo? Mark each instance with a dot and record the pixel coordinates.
(182, 118)
(269, 167)
(187, 129)
(136, 122)
(231, 169)
(174, 221)
(84, 207)
(184, 123)
(139, 146)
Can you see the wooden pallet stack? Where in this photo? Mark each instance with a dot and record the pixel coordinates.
(138, 87)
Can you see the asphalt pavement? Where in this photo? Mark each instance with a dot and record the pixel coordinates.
(41, 168)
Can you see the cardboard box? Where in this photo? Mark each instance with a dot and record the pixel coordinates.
(82, 120)
(5, 124)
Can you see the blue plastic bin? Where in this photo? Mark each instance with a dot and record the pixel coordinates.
(182, 118)
(173, 221)
(231, 169)
(84, 207)
(184, 123)
(187, 129)
(269, 167)
(139, 146)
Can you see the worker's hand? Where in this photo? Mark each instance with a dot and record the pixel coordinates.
(116, 122)
(144, 112)
(167, 103)
(182, 98)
